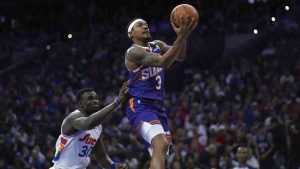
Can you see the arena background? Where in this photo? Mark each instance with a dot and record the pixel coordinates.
(241, 77)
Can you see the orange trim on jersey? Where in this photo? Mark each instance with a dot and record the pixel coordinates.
(131, 104)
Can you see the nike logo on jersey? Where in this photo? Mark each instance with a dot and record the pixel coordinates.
(150, 72)
(88, 139)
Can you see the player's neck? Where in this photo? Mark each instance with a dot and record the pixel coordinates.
(83, 112)
(141, 43)
(242, 164)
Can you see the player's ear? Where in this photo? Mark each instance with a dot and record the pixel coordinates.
(79, 104)
(130, 35)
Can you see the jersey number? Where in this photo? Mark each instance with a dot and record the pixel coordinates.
(85, 151)
(158, 78)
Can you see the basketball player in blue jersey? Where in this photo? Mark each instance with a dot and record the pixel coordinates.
(81, 130)
(264, 147)
(146, 62)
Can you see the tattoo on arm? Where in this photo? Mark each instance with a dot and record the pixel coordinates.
(139, 55)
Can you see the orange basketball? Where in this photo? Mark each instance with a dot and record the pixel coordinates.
(183, 9)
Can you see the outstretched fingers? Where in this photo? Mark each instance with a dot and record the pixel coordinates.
(192, 24)
(182, 21)
(185, 21)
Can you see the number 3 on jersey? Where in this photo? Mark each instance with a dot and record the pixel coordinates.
(158, 78)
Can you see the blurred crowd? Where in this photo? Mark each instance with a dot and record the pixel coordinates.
(252, 101)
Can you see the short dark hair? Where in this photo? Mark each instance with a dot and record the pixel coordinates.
(237, 146)
(81, 92)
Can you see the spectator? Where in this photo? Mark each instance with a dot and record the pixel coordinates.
(242, 155)
(264, 147)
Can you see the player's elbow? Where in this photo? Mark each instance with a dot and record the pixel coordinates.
(163, 64)
(180, 58)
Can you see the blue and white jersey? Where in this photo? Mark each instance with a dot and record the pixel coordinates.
(147, 82)
(73, 151)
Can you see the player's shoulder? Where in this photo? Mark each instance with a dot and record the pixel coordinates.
(66, 127)
(74, 115)
(132, 48)
(135, 51)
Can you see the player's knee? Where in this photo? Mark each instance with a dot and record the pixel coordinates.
(160, 143)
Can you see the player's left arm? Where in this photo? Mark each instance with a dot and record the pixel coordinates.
(103, 159)
(164, 48)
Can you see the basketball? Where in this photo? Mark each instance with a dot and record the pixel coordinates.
(183, 9)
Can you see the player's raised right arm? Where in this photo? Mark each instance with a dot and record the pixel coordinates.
(89, 122)
(139, 55)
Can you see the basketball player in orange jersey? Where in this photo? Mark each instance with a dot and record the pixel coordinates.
(146, 62)
(81, 130)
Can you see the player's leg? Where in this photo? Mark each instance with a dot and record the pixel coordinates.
(143, 117)
(164, 122)
(160, 148)
(158, 134)
(167, 163)
(155, 135)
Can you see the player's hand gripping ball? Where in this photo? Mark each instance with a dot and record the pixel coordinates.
(183, 9)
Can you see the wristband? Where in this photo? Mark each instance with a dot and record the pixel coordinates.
(114, 165)
(117, 102)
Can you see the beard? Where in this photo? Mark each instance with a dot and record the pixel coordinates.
(149, 39)
(92, 110)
